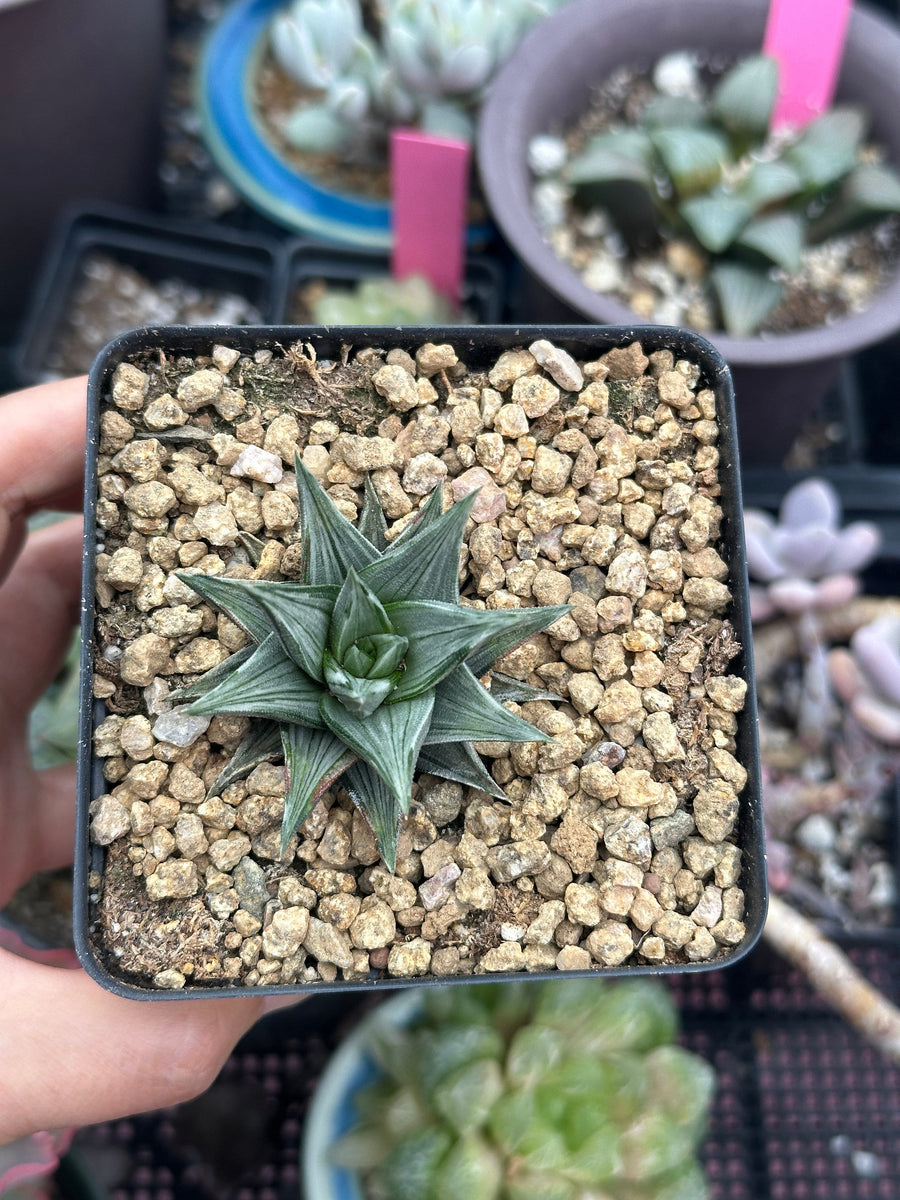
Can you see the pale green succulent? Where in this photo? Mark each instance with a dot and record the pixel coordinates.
(384, 301)
(551, 1091)
(704, 171)
(369, 669)
(426, 65)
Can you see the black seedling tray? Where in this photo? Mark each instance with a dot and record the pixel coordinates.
(479, 347)
(305, 261)
(208, 256)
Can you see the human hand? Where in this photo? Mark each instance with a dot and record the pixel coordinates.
(70, 1052)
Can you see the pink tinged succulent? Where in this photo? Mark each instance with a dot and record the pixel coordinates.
(867, 678)
(804, 558)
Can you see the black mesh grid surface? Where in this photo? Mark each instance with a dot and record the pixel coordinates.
(805, 1109)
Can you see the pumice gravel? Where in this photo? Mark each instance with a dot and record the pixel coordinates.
(594, 484)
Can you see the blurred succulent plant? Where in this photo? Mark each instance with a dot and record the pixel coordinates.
(53, 722)
(805, 560)
(553, 1091)
(410, 301)
(426, 64)
(708, 171)
(867, 678)
(370, 668)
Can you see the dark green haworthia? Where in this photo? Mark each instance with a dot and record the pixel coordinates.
(369, 668)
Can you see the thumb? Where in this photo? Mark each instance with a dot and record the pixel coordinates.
(73, 1054)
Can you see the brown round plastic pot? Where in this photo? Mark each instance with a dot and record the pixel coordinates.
(545, 86)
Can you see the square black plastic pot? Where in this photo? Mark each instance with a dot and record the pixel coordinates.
(304, 262)
(207, 256)
(479, 347)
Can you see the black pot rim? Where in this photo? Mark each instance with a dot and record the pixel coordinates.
(564, 43)
(585, 340)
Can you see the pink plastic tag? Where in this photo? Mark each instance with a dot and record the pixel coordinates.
(807, 39)
(430, 187)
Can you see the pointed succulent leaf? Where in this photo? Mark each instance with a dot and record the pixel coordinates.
(681, 1084)
(504, 687)
(357, 613)
(330, 543)
(745, 96)
(212, 678)
(239, 598)
(426, 566)
(389, 740)
(746, 296)
(619, 154)
(262, 744)
(768, 183)
(869, 192)
(458, 762)
(716, 220)
(471, 1169)
(526, 622)
(313, 758)
(598, 1157)
(466, 1096)
(828, 149)
(269, 685)
(253, 545)
(360, 696)
(427, 516)
(464, 711)
(693, 157)
(414, 1164)
(379, 806)
(441, 636)
(372, 524)
(779, 238)
(673, 112)
(301, 618)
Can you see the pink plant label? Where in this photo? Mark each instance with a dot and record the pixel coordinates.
(430, 187)
(807, 39)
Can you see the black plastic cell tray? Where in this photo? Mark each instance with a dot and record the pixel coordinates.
(209, 256)
(305, 261)
(479, 347)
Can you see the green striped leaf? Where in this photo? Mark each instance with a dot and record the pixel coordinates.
(693, 157)
(779, 238)
(262, 744)
(460, 762)
(746, 296)
(716, 220)
(267, 685)
(331, 544)
(464, 711)
(745, 96)
(427, 565)
(314, 758)
(389, 740)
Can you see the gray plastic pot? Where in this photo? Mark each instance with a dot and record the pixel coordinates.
(779, 378)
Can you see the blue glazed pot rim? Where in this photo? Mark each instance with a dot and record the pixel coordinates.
(332, 1113)
(237, 142)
